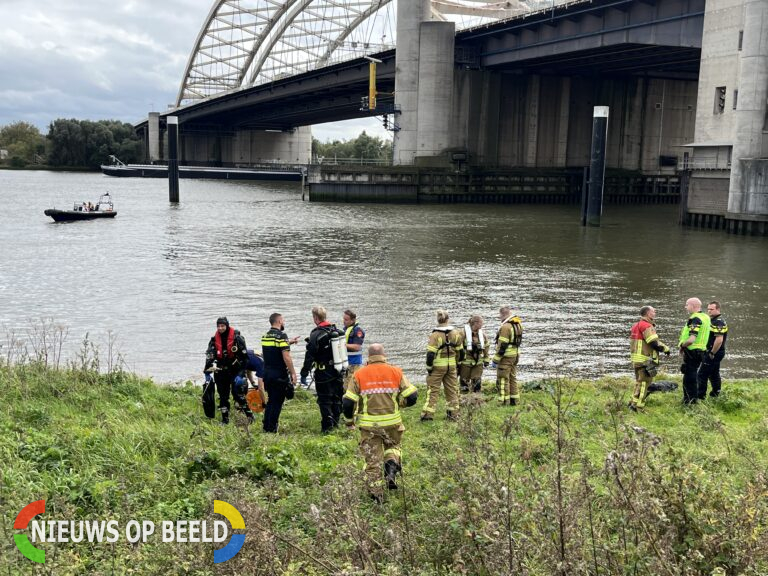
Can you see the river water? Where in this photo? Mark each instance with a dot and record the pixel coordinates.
(159, 275)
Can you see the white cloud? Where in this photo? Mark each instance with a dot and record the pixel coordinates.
(93, 60)
(350, 129)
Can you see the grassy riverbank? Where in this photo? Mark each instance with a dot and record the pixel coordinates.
(568, 483)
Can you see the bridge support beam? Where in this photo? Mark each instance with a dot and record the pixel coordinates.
(748, 190)
(255, 146)
(153, 138)
(410, 15)
(435, 100)
(229, 148)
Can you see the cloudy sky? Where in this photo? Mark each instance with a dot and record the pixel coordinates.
(90, 59)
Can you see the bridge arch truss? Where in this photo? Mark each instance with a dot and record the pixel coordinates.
(248, 42)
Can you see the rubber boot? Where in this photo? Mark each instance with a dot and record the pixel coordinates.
(224, 416)
(513, 401)
(477, 385)
(377, 498)
(391, 468)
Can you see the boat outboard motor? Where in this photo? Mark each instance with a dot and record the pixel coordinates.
(339, 348)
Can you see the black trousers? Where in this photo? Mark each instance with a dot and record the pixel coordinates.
(276, 390)
(329, 385)
(690, 370)
(224, 383)
(709, 371)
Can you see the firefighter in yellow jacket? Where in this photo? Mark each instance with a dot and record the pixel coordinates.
(445, 350)
(476, 357)
(644, 348)
(375, 393)
(508, 340)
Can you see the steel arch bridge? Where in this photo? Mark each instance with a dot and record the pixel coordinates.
(249, 42)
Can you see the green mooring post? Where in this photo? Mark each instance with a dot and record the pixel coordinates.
(597, 165)
(173, 158)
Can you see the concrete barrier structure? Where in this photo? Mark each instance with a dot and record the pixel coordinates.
(729, 152)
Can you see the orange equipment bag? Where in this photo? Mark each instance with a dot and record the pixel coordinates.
(255, 399)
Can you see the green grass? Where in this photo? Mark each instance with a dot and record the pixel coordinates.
(569, 482)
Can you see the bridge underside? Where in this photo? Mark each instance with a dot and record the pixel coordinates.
(520, 93)
(308, 99)
(673, 62)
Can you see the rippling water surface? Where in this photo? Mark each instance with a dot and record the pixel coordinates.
(159, 275)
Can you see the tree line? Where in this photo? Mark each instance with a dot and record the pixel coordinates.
(88, 144)
(365, 147)
(70, 143)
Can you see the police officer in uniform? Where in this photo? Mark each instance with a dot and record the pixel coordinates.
(355, 336)
(644, 348)
(508, 340)
(710, 363)
(376, 393)
(476, 357)
(445, 349)
(228, 351)
(329, 382)
(693, 344)
(279, 373)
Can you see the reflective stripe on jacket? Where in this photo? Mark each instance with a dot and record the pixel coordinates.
(700, 329)
(375, 388)
(641, 335)
(445, 342)
(510, 334)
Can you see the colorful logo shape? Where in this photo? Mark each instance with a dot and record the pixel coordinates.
(22, 540)
(236, 520)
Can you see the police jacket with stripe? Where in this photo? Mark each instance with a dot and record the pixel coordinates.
(273, 344)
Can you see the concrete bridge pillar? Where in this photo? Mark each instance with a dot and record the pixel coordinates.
(257, 146)
(153, 144)
(436, 88)
(748, 193)
(410, 15)
(229, 148)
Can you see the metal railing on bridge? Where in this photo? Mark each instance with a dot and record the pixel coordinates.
(350, 161)
(706, 165)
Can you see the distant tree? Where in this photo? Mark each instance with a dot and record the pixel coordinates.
(23, 142)
(67, 143)
(89, 144)
(364, 146)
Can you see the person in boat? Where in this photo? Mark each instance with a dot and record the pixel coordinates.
(227, 350)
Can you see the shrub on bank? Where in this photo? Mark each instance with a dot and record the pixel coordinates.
(567, 483)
